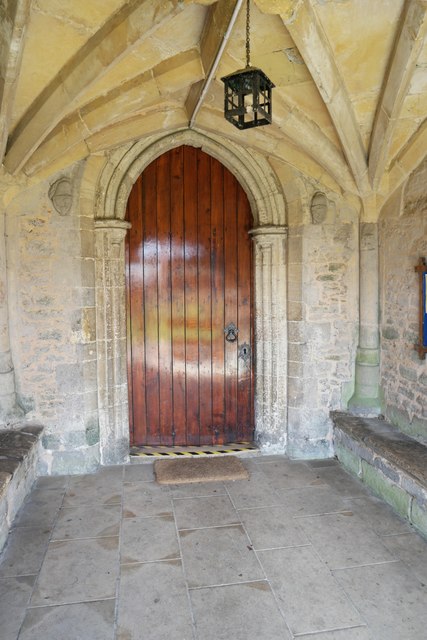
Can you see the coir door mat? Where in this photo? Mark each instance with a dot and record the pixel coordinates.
(200, 470)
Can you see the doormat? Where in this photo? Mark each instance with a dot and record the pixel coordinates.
(200, 470)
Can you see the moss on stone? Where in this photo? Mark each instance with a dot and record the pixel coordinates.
(390, 333)
(51, 441)
(396, 497)
(349, 460)
(419, 518)
(92, 432)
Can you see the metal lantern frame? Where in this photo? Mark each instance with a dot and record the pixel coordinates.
(248, 92)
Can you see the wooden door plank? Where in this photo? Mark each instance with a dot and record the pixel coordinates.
(178, 299)
(244, 287)
(133, 241)
(204, 270)
(191, 297)
(164, 299)
(150, 258)
(136, 315)
(189, 274)
(218, 283)
(230, 302)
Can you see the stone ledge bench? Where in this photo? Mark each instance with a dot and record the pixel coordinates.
(390, 463)
(19, 455)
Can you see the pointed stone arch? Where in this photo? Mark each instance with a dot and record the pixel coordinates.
(252, 170)
(106, 185)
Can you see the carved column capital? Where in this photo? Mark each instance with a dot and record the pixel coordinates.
(112, 223)
(265, 232)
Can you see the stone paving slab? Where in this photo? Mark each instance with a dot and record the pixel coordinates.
(14, 596)
(88, 521)
(149, 539)
(211, 511)
(356, 633)
(40, 509)
(310, 598)
(94, 620)
(378, 516)
(219, 555)
(249, 610)
(255, 492)
(78, 570)
(153, 602)
(309, 501)
(271, 527)
(146, 499)
(344, 540)
(283, 568)
(24, 552)
(389, 597)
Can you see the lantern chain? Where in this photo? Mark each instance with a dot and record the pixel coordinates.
(248, 43)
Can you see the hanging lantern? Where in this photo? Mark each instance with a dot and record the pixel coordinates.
(247, 92)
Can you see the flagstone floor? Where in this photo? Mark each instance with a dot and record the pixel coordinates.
(301, 550)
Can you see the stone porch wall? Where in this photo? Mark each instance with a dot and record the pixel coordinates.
(52, 322)
(403, 240)
(51, 266)
(323, 259)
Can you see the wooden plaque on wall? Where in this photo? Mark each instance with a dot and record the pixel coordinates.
(421, 347)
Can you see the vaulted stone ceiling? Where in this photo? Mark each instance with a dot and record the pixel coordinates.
(84, 76)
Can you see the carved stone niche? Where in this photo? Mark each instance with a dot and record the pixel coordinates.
(319, 208)
(61, 195)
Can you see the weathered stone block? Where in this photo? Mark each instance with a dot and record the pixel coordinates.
(419, 517)
(85, 460)
(408, 374)
(69, 378)
(310, 449)
(384, 488)
(390, 333)
(349, 460)
(75, 439)
(92, 431)
(51, 441)
(295, 310)
(17, 471)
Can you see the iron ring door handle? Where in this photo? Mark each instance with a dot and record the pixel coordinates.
(231, 332)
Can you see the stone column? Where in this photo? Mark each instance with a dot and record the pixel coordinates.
(110, 287)
(366, 393)
(9, 409)
(270, 338)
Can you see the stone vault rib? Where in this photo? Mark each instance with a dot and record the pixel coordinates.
(135, 21)
(75, 134)
(409, 43)
(301, 21)
(11, 45)
(218, 26)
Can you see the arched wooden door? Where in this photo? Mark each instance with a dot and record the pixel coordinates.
(189, 277)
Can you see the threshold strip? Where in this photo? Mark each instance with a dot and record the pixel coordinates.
(180, 452)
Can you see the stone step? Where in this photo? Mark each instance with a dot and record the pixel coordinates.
(390, 463)
(19, 455)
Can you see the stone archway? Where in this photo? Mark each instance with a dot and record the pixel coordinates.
(110, 180)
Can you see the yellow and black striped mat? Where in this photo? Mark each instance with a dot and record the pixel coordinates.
(178, 452)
